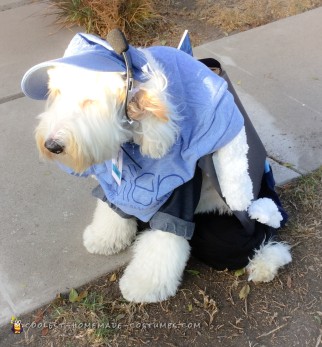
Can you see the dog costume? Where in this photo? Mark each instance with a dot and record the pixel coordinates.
(164, 193)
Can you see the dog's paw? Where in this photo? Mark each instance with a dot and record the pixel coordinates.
(107, 242)
(155, 272)
(265, 211)
(108, 233)
(263, 267)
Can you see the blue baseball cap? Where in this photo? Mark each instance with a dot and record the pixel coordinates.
(89, 52)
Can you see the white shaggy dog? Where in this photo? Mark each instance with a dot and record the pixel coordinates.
(83, 125)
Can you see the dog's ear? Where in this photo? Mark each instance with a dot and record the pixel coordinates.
(156, 130)
(145, 104)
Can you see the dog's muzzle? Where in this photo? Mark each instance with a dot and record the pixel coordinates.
(53, 146)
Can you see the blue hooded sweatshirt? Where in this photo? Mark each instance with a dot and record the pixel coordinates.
(208, 120)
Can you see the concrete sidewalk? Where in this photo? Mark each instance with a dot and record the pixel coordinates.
(277, 71)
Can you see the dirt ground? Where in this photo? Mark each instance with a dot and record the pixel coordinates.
(211, 308)
(179, 16)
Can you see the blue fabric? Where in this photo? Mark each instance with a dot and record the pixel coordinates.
(209, 119)
(85, 51)
(185, 44)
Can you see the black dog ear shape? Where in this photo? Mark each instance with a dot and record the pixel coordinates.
(118, 41)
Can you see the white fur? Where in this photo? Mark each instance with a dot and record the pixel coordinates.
(231, 166)
(156, 269)
(108, 233)
(265, 211)
(267, 260)
(156, 137)
(97, 128)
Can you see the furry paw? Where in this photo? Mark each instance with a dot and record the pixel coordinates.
(107, 242)
(155, 272)
(108, 233)
(266, 212)
(264, 266)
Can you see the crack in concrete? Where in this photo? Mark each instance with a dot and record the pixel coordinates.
(286, 165)
(12, 97)
(15, 4)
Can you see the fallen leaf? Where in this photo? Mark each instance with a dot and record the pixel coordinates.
(240, 272)
(193, 272)
(59, 300)
(44, 331)
(73, 295)
(289, 282)
(113, 277)
(244, 292)
(82, 295)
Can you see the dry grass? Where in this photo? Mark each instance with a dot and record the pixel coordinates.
(147, 22)
(99, 17)
(245, 14)
(305, 191)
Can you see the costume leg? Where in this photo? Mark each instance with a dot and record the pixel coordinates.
(264, 265)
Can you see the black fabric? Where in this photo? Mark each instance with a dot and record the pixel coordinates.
(256, 154)
(227, 242)
(223, 243)
(268, 190)
(184, 199)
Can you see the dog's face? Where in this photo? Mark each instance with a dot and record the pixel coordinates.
(84, 119)
(82, 122)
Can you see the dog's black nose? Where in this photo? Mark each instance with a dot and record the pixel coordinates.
(53, 146)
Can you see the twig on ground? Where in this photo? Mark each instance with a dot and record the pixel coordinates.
(272, 331)
(318, 341)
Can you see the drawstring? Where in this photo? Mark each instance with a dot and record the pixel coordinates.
(131, 157)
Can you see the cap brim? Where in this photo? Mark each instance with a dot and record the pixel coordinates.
(34, 83)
